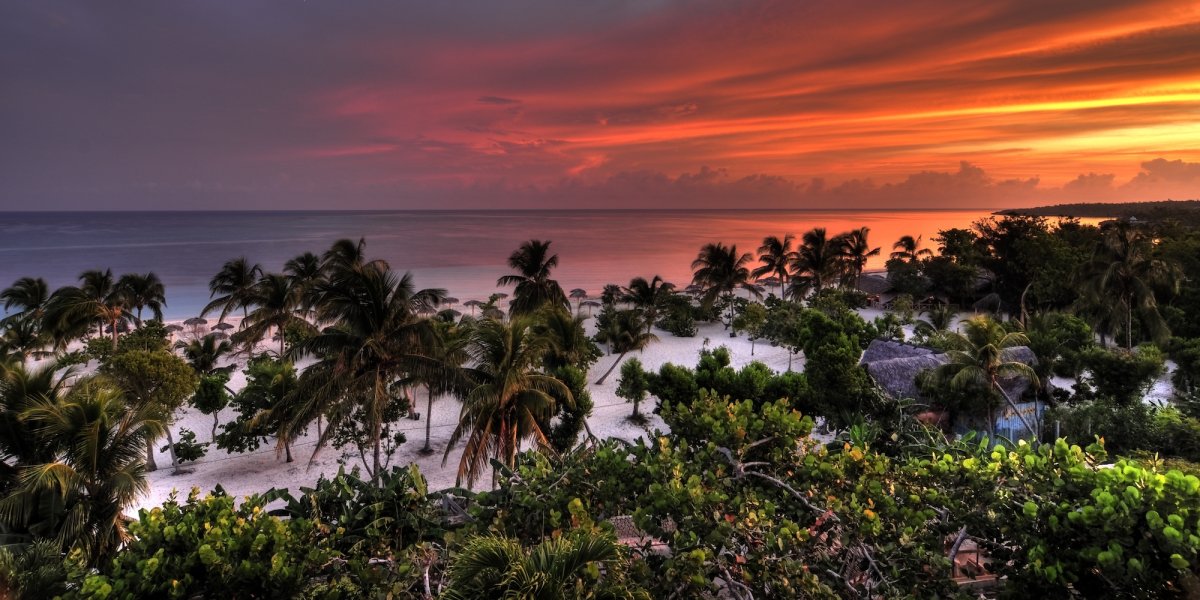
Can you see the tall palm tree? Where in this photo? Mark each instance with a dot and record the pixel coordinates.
(625, 333)
(776, 255)
(855, 250)
(346, 256)
(375, 339)
(816, 263)
(648, 296)
(305, 273)
(144, 291)
(231, 287)
(99, 469)
(29, 296)
(508, 399)
(72, 311)
(534, 287)
(979, 360)
(275, 301)
(448, 351)
(1125, 270)
(908, 249)
(720, 271)
(498, 567)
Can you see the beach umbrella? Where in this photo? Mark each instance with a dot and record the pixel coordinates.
(590, 304)
(449, 300)
(174, 327)
(448, 314)
(223, 326)
(195, 321)
(473, 304)
(500, 295)
(578, 293)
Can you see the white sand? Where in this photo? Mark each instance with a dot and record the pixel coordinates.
(242, 474)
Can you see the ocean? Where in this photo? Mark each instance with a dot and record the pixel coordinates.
(463, 252)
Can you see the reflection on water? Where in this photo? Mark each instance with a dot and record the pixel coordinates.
(463, 252)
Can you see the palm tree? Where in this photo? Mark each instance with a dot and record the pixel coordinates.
(567, 342)
(1124, 268)
(346, 256)
(275, 301)
(647, 296)
(775, 254)
(305, 273)
(448, 351)
(29, 296)
(99, 469)
(979, 360)
(908, 249)
(939, 320)
(376, 338)
(23, 339)
(578, 295)
(98, 300)
(144, 291)
(534, 288)
(816, 263)
(20, 389)
(508, 399)
(498, 567)
(855, 250)
(204, 354)
(720, 271)
(626, 332)
(234, 283)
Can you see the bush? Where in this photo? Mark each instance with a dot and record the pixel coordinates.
(186, 449)
(1122, 375)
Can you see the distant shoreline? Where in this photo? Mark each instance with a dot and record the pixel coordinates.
(1146, 211)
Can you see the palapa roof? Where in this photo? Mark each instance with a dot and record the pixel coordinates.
(895, 366)
(873, 283)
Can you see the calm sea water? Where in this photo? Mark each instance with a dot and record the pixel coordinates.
(463, 252)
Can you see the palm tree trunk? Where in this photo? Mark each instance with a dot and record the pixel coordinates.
(151, 464)
(287, 449)
(428, 412)
(611, 369)
(376, 426)
(171, 451)
(1129, 323)
(216, 417)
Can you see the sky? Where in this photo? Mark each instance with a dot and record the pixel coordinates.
(356, 104)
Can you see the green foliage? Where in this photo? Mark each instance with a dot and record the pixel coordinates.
(205, 544)
(152, 336)
(1186, 354)
(154, 378)
(1131, 429)
(1122, 375)
(839, 388)
(572, 410)
(677, 316)
(906, 278)
(187, 449)
(1059, 341)
(633, 385)
(259, 405)
(33, 572)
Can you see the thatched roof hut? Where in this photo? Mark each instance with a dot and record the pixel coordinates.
(895, 366)
(873, 283)
(888, 349)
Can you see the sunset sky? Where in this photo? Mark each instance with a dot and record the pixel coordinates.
(596, 103)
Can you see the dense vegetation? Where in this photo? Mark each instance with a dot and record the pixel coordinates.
(733, 497)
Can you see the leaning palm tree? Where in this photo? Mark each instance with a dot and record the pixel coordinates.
(498, 567)
(625, 333)
(275, 301)
(980, 359)
(100, 469)
(508, 399)
(72, 311)
(29, 296)
(775, 254)
(908, 249)
(1125, 270)
(721, 271)
(648, 296)
(231, 287)
(144, 291)
(816, 263)
(375, 339)
(534, 287)
(855, 250)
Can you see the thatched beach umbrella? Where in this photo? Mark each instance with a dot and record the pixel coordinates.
(195, 322)
(449, 301)
(590, 304)
(174, 328)
(223, 326)
(473, 304)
